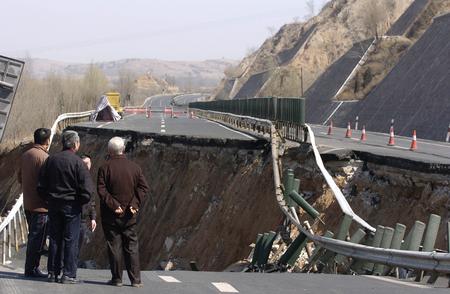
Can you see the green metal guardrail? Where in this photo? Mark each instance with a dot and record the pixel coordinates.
(290, 110)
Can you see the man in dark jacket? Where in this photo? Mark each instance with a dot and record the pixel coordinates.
(122, 189)
(66, 184)
(35, 207)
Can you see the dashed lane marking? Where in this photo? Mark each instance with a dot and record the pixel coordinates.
(163, 131)
(234, 131)
(225, 287)
(169, 279)
(102, 125)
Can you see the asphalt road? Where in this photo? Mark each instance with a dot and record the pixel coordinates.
(427, 151)
(212, 282)
(159, 100)
(162, 123)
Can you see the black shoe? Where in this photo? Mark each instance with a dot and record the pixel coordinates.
(52, 278)
(35, 274)
(116, 283)
(67, 280)
(39, 273)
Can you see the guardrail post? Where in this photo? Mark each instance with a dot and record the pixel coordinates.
(9, 240)
(416, 235)
(293, 252)
(399, 234)
(4, 247)
(304, 204)
(288, 186)
(344, 227)
(386, 241)
(368, 266)
(267, 247)
(431, 233)
(21, 227)
(429, 240)
(356, 238)
(319, 251)
(413, 241)
(341, 235)
(16, 239)
(256, 249)
(261, 249)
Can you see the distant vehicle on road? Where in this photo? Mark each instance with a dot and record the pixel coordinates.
(114, 101)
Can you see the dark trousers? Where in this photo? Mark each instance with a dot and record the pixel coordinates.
(122, 240)
(64, 237)
(37, 227)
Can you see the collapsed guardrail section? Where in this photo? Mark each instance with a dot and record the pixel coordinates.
(389, 249)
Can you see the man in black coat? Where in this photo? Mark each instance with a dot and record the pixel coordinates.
(122, 189)
(66, 184)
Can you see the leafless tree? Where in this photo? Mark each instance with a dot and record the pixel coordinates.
(310, 8)
(373, 17)
(126, 84)
(95, 84)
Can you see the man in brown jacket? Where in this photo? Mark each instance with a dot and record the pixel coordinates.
(122, 189)
(35, 207)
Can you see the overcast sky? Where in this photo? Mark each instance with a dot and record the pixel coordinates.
(102, 30)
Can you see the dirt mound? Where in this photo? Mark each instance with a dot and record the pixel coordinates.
(148, 85)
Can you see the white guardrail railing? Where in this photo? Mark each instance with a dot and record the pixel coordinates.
(427, 261)
(14, 228)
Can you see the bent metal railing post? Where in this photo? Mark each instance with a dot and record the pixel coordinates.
(412, 259)
(14, 234)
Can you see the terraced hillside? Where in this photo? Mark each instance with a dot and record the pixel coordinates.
(416, 93)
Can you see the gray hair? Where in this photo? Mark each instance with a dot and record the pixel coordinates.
(116, 146)
(70, 139)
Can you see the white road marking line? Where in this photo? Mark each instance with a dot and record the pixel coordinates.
(130, 115)
(169, 279)
(225, 287)
(399, 282)
(102, 125)
(331, 150)
(163, 131)
(240, 133)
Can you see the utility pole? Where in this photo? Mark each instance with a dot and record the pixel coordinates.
(301, 82)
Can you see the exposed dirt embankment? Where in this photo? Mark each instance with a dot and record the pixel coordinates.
(211, 201)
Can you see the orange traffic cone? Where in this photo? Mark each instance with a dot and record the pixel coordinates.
(330, 128)
(414, 142)
(391, 137)
(448, 135)
(348, 134)
(363, 134)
